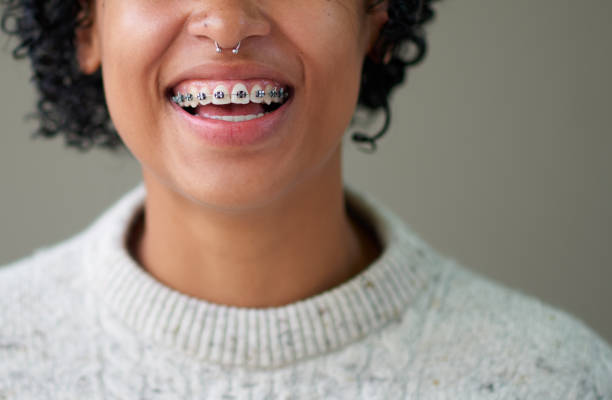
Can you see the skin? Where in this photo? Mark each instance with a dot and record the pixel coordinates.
(249, 226)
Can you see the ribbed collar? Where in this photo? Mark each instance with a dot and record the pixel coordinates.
(258, 337)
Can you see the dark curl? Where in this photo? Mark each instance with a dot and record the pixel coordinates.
(401, 44)
(72, 103)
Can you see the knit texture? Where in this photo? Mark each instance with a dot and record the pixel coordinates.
(82, 320)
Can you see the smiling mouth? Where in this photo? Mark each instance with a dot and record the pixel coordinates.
(231, 103)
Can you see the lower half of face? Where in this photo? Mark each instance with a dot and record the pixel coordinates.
(199, 136)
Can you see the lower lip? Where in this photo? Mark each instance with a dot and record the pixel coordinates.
(219, 133)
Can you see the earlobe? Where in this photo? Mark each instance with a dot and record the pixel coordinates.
(87, 40)
(378, 16)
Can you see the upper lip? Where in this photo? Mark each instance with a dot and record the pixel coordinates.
(233, 71)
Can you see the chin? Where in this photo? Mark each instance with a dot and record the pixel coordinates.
(231, 194)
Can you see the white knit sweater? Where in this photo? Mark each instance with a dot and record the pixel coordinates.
(82, 320)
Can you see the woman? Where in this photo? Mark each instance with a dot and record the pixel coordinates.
(242, 268)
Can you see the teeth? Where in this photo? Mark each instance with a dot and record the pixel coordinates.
(187, 99)
(204, 96)
(257, 94)
(193, 94)
(276, 95)
(181, 99)
(221, 95)
(201, 95)
(177, 99)
(235, 118)
(268, 96)
(240, 94)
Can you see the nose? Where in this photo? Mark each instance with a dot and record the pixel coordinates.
(228, 21)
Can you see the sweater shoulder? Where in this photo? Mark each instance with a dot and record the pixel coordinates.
(42, 270)
(43, 318)
(529, 343)
(36, 283)
(38, 288)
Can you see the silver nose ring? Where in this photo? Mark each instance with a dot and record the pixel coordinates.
(235, 50)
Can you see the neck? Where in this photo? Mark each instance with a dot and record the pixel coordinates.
(295, 247)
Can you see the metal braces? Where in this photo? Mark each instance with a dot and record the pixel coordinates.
(241, 94)
(274, 93)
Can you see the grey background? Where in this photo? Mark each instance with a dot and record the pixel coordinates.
(499, 154)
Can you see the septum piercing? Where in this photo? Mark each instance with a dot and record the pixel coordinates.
(235, 50)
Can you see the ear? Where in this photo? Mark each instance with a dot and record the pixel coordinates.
(377, 15)
(87, 39)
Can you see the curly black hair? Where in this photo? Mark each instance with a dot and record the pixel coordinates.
(72, 103)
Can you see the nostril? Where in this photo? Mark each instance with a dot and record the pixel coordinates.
(228, 25)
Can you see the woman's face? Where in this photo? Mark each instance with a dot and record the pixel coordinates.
(150, 50)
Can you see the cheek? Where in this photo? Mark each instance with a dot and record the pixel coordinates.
(329, 33)
(330, 36)
(135, 38)
(139, 29)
